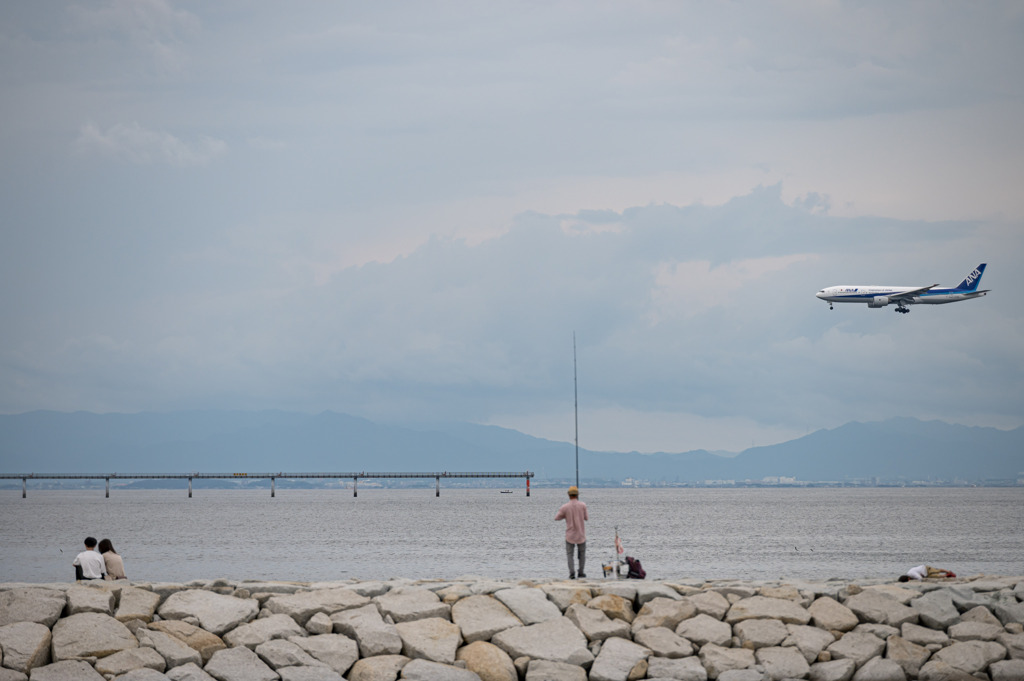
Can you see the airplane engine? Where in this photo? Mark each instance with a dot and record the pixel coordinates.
(878, 301)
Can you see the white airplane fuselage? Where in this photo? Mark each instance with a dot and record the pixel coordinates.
(866, 294)
(902, 296)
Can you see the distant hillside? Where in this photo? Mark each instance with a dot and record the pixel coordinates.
(273, 441)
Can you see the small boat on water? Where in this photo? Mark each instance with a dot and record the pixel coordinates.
(506, 491)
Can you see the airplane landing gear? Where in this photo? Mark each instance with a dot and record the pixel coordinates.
(902, 310)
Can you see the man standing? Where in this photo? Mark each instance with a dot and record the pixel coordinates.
(574, 512)
(89, 564)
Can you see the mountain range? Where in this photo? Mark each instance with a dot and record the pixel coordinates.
(898, 449)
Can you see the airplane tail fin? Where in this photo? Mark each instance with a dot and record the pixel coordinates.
(971, 282)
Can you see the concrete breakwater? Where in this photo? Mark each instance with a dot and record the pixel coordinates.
(476, 629)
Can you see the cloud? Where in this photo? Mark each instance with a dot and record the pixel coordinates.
(135, 144)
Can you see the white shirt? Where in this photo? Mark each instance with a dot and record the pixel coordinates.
(92, 564)
(918, 573)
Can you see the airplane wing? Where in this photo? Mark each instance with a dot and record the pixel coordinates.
(911, 294)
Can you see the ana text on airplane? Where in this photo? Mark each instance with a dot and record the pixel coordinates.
(902, 296)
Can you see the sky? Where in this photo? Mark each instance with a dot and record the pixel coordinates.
(492, 212)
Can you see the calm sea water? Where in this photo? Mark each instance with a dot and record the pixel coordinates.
(312, 535)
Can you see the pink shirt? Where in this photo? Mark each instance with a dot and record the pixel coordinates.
(574, 512)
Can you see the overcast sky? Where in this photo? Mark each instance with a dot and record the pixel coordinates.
(404, 211)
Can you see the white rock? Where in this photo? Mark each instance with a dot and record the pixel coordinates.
(704, 629)
(66, 670)
(546, 670)
(833, 670)
(682, 669)
(370, 631)
(39, 605)
(128, 660)
(216, 613)
(857, 647)
(760, 607)
(782, 663)
(262, 630)
(239, 664)
(335, 650)
(558, 640)
(664, 642)
(188, 672)
(425, 670)
(89, 634)
(717, 659)
(594, 624)
(433, 639)
(411, 603)
(761, 633)
(25, 646)
(880, 669)
(617, 659)
(482, 616)
(530, 605)
(303, 605)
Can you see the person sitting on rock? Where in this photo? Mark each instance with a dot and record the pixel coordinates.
(921, 571)
(89, 564)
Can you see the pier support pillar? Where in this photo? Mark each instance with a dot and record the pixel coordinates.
(24, 489)
(108, 488)
(437, 488)
(271, 487)
(355, 487)
(527, 487)
(190, 487)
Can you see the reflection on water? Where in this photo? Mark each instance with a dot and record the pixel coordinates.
(311, 535)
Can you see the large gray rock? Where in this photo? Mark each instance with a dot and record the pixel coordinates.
(663, 612)
(188, 672)
(563, 595)
(488, 661)
(136, 604)
(25, 646)
(810, 641)
(309, 674)
(971, 656)
(424, 670)
(909, 656)
(756, 634)
(546, 670)
(558, 640)
(278, 653)
(782, 663)
(681, 669)
(304, 604)
(262, 630)
(709, 603)
(937, 670)
(1007, 670)
(664, 642)
(648, 591)
(704, 629)
(379, 668)
(67, 670)
(319, 623)
(879, 607)
(1008, 609)
(614, 606)
(128, 660)
(833, 670)
(200, 640)
(482, 616)
(1014, 644)
(717, 659)
(335, 650)
(89, 634)
(412, 603)
(880, 669)
(936, 609)
(142, 674)
(923, 636)
(901, 594)
(174, 651)
(42, 606)
(239, 664)
(530, 605)
(828, 613)
(216, 613)
(857, 647)
(11, 675)
(370, 631)
(619, 660)
(761, 607)
(433, 639)
(975, 631)
(980, 614)
(594, 624)
(90, 599)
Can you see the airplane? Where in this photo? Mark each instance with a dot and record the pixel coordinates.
(902, 296)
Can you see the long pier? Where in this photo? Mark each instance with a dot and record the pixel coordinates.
(25, 477)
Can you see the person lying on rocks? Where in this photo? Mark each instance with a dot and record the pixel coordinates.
(921, 571)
